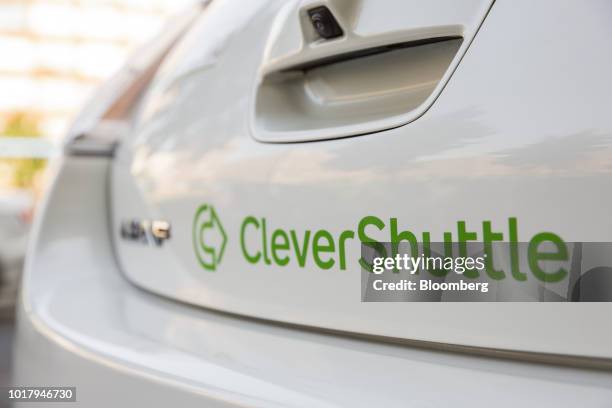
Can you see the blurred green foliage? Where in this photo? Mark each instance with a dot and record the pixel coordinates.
(25, 170)
(21, 124)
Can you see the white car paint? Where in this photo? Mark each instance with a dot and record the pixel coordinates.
(521, 129)
(81, 323)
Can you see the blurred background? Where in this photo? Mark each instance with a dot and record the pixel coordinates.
(53, 54)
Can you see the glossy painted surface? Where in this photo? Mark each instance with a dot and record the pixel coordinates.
(360, 96)
(80, 323)
(522, 129)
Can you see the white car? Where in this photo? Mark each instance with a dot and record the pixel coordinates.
(200, 244)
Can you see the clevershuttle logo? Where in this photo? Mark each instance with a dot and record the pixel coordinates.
(263, 243)
(209, 237)
(279, 246)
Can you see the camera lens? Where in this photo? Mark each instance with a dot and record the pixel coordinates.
(324, 23)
